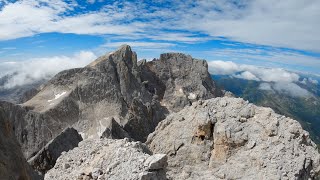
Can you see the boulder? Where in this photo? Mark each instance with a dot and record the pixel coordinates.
(156, 162)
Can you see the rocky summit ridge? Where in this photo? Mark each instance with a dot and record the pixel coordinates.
(119, 118)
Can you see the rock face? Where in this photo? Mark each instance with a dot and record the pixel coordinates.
(46, 158)
(178, 80)
(137, 95)
(109, 159)
(228, 138)
(114, 131)
(12, 163)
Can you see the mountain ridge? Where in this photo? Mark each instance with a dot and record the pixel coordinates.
(172, 105)
(137, 99)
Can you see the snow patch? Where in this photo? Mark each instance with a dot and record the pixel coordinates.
(57, 96)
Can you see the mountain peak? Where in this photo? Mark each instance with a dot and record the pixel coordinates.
(123, 53)
(124, 48)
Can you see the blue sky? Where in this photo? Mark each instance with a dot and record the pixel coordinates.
(268, 33)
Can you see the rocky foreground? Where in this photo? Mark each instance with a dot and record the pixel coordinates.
(229, 138)
(118, 118)
(220, 138)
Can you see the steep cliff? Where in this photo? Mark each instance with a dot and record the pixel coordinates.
(13, 165)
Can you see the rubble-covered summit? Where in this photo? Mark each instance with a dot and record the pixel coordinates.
(229, 138)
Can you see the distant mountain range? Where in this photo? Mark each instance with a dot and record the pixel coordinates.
(18, 94)
(305, 109)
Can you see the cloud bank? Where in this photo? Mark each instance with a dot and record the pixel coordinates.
(32, 70)
(287, 23)
(309, 79)
(272, 79)
(251, 72)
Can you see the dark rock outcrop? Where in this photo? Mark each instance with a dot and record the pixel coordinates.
(46, 158)
(13, 165)
(114, 131)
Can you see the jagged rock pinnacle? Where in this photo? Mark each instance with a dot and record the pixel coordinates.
(123, 53)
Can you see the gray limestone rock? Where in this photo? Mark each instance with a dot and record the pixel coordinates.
(108, 159)
(137, 95)
(208, 141)
(46, 158)
(178, 80)
(156, 162)
(13, 165)
(114, 130)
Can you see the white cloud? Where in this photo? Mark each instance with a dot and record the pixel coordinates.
(314, 81)
(271, 79)
(37, 69)
(91, 1)
(291, 89)
(310, 80)
(251, 72)
(269, 56)
(272, 74)
(287, 23)
(222, 67)
(265, 86)
(246, 75)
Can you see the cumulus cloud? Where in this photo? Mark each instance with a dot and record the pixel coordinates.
(313, 81)
(291, 89)
(310, 80)
(32, 70)
(223, 67)
(251, 72)
(265, 86)
(272, 79)
(246, 75)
